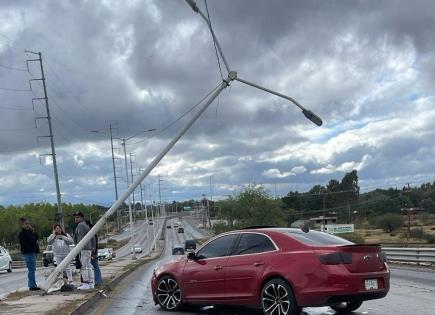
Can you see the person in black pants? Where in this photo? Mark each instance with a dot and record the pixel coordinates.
(29, 249)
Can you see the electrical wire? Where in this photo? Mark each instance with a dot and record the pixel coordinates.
(214, 41)
(12, 68)
(179, 118)
(15, 108)
(14, 90)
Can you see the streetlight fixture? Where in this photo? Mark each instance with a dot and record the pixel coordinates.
(231, 76)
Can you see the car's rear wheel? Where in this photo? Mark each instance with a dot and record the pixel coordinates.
(168, 293)
(346, 307)
(45, 263)
(10, 267)
(277, 298)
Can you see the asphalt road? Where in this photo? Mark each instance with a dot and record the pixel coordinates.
(412, 292)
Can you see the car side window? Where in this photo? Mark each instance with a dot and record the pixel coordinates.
(217, 248)
(251, 243)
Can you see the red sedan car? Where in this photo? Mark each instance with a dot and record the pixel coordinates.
(280, 270)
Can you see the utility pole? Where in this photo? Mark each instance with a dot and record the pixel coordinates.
(129, 202)
(132, 181)
(114, 175)
(144, 200)
(59, 217)
(160, 198)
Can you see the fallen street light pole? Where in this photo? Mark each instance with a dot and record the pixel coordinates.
(76, 250)
(232, 75)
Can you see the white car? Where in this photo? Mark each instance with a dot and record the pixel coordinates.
(5, 260)
(137, 249)
(105, 254)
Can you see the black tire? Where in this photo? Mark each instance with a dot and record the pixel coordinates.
(10, 267)
(277, 298)
(168, 294)
(45, 263)
(346, 307)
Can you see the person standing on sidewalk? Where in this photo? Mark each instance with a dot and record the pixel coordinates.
(29, 248)
(61, 242)
(86, 270)
(94, 259)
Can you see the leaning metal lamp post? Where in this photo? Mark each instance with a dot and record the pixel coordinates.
(232, 76)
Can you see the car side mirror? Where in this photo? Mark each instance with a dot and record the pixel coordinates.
(192, 256)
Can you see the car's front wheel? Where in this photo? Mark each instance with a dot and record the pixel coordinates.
(168, 293)
(346, 307)
(277, 298)
(10, 267)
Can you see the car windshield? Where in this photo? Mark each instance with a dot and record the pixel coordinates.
(316, 237)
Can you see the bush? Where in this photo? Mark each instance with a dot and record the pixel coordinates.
(390, 222)
(417, 233)
(429, 238)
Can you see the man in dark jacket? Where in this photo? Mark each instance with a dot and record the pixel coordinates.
(29, 249)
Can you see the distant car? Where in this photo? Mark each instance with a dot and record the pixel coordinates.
(175, 225)
(112, 252)
(280, 270)
(48, 256)
(180, 230)
(104, 254)
(150, 222)
(178, 250)
(169, 226)
(5, 260)
(137, 248)
(189, 245)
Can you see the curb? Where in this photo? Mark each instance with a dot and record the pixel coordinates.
(96, 296)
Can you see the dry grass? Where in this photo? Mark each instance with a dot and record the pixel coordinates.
(17, 295)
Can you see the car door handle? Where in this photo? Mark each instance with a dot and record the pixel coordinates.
(257, 264)
(218, 267)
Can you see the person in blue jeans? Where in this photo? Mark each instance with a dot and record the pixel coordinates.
(29, 248)
(94, 259)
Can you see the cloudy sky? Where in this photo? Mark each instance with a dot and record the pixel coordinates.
(366, 67)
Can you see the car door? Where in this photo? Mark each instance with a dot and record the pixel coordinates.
(246, 265)
(2, 259)
(204, 278)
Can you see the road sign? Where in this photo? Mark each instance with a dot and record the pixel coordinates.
(340, 228)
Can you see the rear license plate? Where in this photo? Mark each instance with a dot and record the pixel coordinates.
(371, 284)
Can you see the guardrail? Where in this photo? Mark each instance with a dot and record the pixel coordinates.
(416, 255)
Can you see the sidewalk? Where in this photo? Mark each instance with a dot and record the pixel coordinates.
(59, 303)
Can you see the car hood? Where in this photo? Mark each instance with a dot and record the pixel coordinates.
(170, 264)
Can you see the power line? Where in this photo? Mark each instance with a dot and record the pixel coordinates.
(179, 118)
(15, 108)
(214, 40)
(12, 68)
(14, 90)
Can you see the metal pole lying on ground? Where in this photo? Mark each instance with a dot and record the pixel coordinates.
(53, 276)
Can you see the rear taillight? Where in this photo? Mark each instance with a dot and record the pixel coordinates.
(382, 256)
(336, 258)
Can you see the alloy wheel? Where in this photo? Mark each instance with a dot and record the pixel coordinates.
(277, 298)
(168, 293)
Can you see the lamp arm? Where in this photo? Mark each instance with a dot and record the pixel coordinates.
(307, 113)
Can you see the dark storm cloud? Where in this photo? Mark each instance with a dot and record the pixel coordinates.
(365, 67)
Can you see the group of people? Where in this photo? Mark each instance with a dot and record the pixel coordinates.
(86, 261)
